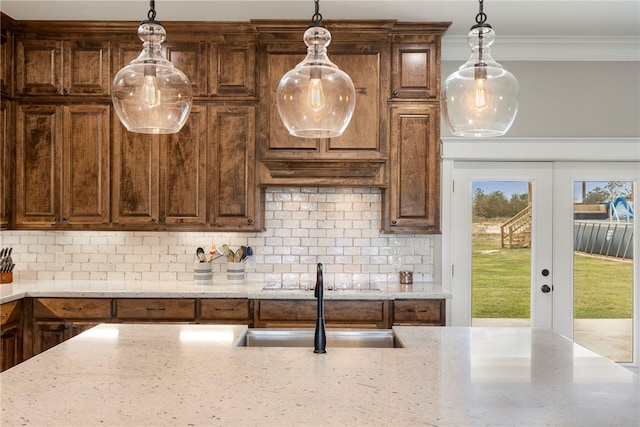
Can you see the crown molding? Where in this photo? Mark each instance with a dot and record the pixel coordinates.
(548, 48)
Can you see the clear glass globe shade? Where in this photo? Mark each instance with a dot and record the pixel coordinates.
(150, 95)
(481, 98)
(316, 99)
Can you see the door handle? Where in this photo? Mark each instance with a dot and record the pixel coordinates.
(545, 289)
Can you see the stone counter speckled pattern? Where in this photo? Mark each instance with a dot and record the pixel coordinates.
(220, 288)
(157, 375)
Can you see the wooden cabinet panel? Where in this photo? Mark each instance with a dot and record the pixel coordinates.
(72, 308)
(6, 164)
(57, 67)
(156, 309)
(63, 176)
(85, 177)
(48, 334)
(10, 334)
(412, 201)
(38, 172)
(225, 309)
(6, 54)
(302, 313)
(232, 69)
(161, 180)
(191, 59)
(183, 180)
(235, 199)
(415, 70)
(419, 312)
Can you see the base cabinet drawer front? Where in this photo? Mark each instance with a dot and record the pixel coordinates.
(225, 309)
(154, 309)
(72, 308)
(302, 313)
(419, 312)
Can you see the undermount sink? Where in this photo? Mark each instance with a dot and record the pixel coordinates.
(361, 338)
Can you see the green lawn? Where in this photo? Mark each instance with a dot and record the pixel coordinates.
(603, 289)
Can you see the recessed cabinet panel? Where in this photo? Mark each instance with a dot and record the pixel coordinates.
(278, 138)
(233, 194)
(6, 164)
(183, 166)
(414, 71)
(86, 166)
(412, 200)
(39, 67)
(87, 68)
(233, 69)
(363, 132)
(38, 130)
(190, 58)
(135, 171)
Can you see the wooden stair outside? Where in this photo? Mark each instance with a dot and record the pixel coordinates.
(516, 232)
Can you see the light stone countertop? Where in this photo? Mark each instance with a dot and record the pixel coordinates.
(219, 288)
(156, 375)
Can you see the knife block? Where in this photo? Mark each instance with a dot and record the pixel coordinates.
(6, 277)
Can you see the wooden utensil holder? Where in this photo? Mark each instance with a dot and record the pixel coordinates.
(6, 277)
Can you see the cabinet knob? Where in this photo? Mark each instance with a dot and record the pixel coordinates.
(65, 91)
(65, 220)
(394, 222)
(153, 220)
(161, 220)
(56, 90)
(56, 220)
(249, 221)
(395, 93)
(251, 91)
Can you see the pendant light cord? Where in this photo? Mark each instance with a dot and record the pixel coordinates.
(317, 17)
(151, 15)
(481, 17)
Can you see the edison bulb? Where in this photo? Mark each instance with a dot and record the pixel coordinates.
(150, 92)
(317, 99)
(480, 98)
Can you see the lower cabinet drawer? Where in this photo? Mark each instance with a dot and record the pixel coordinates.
(270, 313)
(419, 312)
(72, 308)
(225, 309)
(145, 309)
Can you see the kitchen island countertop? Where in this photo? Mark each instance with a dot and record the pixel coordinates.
(155, 375)
(219, 288)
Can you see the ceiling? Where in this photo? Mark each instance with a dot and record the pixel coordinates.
(563, 18)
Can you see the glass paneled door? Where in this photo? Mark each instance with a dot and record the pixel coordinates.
(501, 244)
(596, 241)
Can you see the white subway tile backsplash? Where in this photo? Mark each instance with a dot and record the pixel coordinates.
(339, 227)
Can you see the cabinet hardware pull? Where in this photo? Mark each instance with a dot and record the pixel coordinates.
(225, 309)
(72, 308)
(155, 309)
(4, 315)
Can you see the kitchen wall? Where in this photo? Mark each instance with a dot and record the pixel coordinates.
(336, 226)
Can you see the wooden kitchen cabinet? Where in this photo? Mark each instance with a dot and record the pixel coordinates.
(235, 201)
(160, 180)
(355, 158)
(337, 313)
(55, 320)
(53, 67)
(10, 334)
(420, 312)
(62, 174)
(155, 310)
(232, 70)
(6, 163)
(415, 71)
(225, 310)
(6, 55)
(412, 201)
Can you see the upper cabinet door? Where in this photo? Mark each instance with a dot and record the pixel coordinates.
(55, 67)
(191, 59)
(183, 165)
(415, 71)
(39, 67)
(233, 70)
(234, 198)
(85, 174)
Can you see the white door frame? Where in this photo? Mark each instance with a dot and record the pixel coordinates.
(618, 150)
(540, 175)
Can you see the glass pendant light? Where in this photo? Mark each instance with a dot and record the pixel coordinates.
(316, 99)
(481, 98)
(150, 95)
